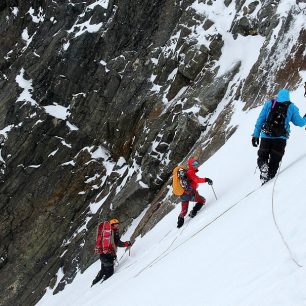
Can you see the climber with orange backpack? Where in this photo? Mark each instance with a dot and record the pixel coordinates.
(185, 183)
(107, 241)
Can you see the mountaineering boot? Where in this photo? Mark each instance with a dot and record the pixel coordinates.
(103, 279)
(192, 214)
(97, 278)
(264, 173)
(265, 180)
(195, 210)
(180, 222)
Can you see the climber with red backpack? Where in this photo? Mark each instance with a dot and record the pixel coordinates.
(185, 183)
(107, 241)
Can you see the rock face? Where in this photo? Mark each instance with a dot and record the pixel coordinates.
(101, 99)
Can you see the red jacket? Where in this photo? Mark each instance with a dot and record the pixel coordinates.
(193, 178)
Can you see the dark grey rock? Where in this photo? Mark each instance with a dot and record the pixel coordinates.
(207, 24)
(194, 62)
(216, 46)
(49, 177)
(252, 7)
(227, 2)
(244, 27)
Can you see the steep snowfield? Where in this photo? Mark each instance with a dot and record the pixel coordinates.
(241, 250)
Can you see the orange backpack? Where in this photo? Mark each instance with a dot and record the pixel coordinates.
(179, 180)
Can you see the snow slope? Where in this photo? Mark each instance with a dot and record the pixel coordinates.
(246, 248)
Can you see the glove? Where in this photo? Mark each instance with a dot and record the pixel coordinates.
(127, 244)
(209, 181)
(255, 141)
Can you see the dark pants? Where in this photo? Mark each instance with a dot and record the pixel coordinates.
(270, 153)
(195, 198)
(107, 267)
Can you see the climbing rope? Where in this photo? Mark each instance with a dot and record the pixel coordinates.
(277, 226)
(169, 250)
(166, 252)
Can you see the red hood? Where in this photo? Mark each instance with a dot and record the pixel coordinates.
(190, 161)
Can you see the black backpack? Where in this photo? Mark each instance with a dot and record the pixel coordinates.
(275, 123)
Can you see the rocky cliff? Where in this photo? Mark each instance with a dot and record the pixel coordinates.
(99, 101)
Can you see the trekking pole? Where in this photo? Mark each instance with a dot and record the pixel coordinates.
(213, 191)
(129, 248)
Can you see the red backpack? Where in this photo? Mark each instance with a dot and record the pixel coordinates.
(104, 241)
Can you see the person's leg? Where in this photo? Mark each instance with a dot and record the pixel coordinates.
(100, 274)
(108, 272)
(180, 220)
(277, 153)
(108, 266)
(97, 278)
(200, 201)
(263, 157)
(184, 210)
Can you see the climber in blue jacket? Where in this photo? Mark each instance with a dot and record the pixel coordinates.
(272, 126)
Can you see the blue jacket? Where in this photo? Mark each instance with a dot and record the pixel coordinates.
(293, 115)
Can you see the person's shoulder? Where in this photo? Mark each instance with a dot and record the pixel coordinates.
(293, 106)
(268, 103)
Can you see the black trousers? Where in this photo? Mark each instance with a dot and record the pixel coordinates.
(270, 153)
(107, 268)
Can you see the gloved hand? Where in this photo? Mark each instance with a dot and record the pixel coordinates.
(127, 244)
(209, 181)
(255, 141)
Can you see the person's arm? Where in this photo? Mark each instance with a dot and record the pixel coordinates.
(261, 119)
(195, 178)
(120, 243)
(296, 119)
